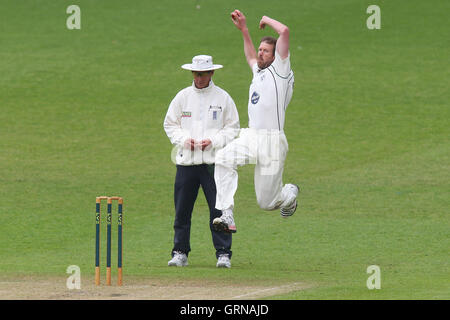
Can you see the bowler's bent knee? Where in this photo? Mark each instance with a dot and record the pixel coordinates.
(224, 159)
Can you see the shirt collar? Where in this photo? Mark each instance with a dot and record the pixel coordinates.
(204, 90)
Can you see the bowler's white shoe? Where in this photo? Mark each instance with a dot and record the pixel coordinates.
(225, 223)
(179, 259)
(290, 209)
(223, 261)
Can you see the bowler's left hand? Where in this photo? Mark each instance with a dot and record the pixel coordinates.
(263, 22)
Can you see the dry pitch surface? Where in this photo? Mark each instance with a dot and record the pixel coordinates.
(54, 288)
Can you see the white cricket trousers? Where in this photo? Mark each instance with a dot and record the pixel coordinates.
(266, 149)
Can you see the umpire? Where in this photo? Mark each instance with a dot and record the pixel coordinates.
(201, 119)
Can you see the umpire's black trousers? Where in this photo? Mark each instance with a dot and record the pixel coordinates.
(187, 182)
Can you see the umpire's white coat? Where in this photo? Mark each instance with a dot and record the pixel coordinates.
(208, 113)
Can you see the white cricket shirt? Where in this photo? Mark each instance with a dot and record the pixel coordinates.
(270, 93)
(208, 113)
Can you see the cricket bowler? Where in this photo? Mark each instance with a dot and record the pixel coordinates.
(263, 143)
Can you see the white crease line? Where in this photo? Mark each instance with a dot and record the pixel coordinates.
(264, 290)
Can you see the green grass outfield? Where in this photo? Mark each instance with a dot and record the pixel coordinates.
(81, 115)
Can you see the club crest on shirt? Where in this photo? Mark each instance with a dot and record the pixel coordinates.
(186, 114)
(255, 98)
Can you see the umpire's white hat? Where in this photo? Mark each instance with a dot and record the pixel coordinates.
(201, 63)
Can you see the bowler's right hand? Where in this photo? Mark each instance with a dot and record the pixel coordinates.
(238, 19)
